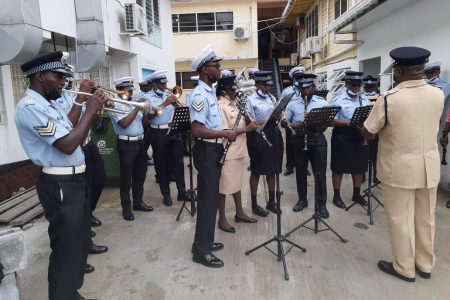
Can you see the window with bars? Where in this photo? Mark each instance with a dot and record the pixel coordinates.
(321, 81)
(100, 76)
(340, 7)
(2, 101)
(151, 8)
(196, 22)
(312, 23)
(184, 80)
(19, 82)
(338, 85)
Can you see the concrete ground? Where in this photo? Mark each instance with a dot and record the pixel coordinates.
(150, 257)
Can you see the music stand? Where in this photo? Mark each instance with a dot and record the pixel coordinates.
(360, 115)
(317, 120)
(278, 238)
(181, 123)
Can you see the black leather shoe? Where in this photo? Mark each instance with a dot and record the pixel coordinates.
(300, 205)
(288, 172)
(181, 196)
(93, 234)
(88, 269)
(360, 200)
(95, 222)
(259, 211)
(323, 211)
(337, 200)
(127, 214)
(167, 200)
(230, 229)
(388, 268)
(140, 205)
(272, 206)
(423, 274)
(238, 219)
(448, 204)
(96, 249)
(217, 246)
(208, 260)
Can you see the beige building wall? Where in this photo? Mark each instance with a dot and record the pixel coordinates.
(236, 53)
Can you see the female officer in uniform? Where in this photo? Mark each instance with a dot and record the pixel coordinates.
(300, 105)
(232, 170)
(349, 151)
(207, 130)
(262, 156)
(51, 142)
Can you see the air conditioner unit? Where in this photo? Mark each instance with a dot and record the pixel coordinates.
(135, 20)
(316, 44)
(302, 49)
(241, 32)
(308, 45)
(294, 57)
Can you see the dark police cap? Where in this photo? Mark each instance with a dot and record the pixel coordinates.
(227, 82)
(305, 79)
(54, 61)
(263, 77)
(353, 76)
(409, 56)
(370, 80)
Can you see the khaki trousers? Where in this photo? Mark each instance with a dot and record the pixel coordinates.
(411, 223)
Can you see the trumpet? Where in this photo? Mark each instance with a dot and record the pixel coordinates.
(144, 106)
(176, 91)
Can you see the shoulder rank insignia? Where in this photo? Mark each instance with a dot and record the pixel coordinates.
(198, 106)
(48, 130)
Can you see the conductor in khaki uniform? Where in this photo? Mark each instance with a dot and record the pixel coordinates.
(407, 121)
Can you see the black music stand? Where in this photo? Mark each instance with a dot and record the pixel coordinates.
(317, 120)
(278, 238)
(359, 116)
(181, 123)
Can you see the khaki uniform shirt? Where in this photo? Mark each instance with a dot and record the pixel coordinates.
(408, 155)
(238, 148)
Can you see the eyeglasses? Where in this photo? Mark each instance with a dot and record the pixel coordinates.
(217, 66)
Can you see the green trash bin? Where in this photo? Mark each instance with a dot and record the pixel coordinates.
(105, 139)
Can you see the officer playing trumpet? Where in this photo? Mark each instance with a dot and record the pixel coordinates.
(167, 149)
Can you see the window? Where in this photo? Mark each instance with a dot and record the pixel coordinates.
(340, 7)
(151, 8)
(19, 82)
(100, 77)
(184, 80)
(337, 85)
(2, 101)
(208, 21)
(312, 23)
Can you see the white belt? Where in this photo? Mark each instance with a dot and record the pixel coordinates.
(131, 138)
(64, 170)
(165, 126)
(217, 141)
(87, 140)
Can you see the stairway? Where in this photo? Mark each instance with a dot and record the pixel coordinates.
(271, 65)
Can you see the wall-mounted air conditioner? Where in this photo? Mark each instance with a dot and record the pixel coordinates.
(316, 44)
(241, 32)
(302, 50)
(294, 58)
(135, 21)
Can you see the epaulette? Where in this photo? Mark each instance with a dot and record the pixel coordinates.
(389, 92)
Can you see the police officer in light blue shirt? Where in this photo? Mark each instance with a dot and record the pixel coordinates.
(208, 149)
(260, 105)
(294, 74)
(50, 140)
(307, 146)
(167, 149)
(129, 128)
(433, 71)
(349, 151)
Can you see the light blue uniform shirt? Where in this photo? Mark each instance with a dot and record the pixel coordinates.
(156, 100)
(259, 107)
(443, 85)
(66, 101)
(40, 123)
(134, 129)
(139, 95)
(204, 107)
(289, 90)
(348, 105)
(295, 110)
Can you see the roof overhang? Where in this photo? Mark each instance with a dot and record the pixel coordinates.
(352, 14)
(293, 9)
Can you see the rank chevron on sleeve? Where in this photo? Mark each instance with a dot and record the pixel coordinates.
(48, 130)
(198, 106)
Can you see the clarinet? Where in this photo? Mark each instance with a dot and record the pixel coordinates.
(305, 148)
